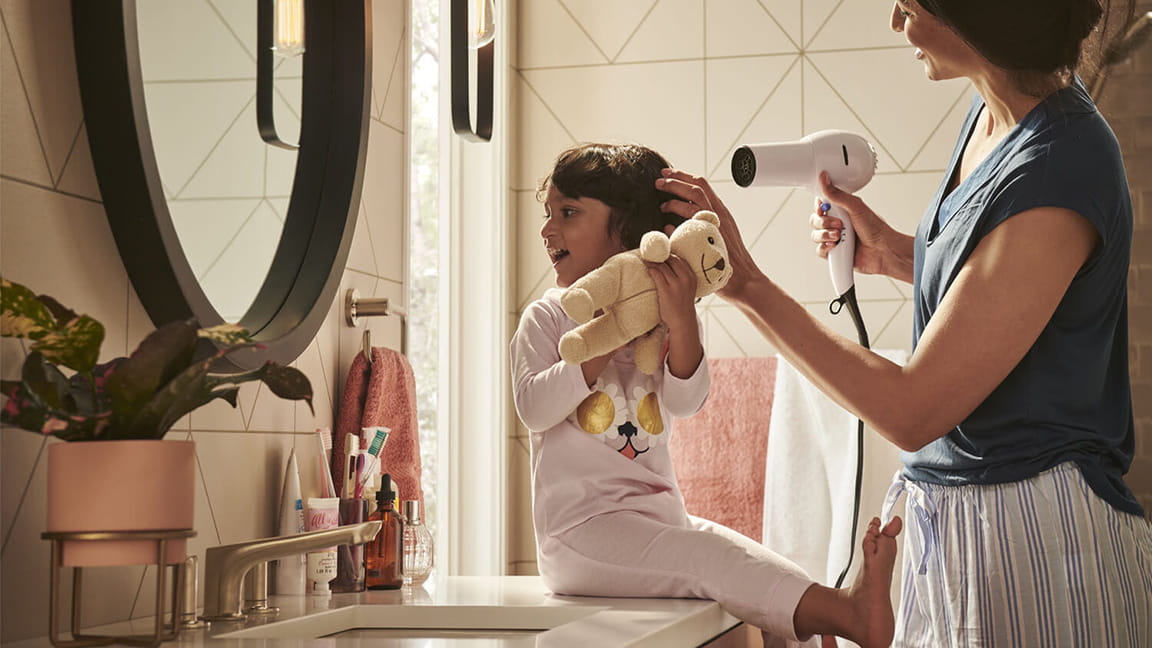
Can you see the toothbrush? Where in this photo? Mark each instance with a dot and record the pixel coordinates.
(324, 441)
(351, 450)
(379, 436)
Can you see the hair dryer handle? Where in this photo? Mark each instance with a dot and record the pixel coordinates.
(842, 257)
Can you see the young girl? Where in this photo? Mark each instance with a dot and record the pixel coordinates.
(609, 516)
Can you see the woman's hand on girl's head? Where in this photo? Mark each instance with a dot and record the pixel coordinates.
(675, 292)
(694, 194)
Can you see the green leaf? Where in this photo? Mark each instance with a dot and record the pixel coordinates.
(44, 381)
(228, 335)
(230, 395)
(290, 383)
(85, 393)
(76, 345)
(64, 337)
(25, 410)
(77, 428)
(60, 312)
(22, 315)
(164, 354)
(165, 406)
(185, 406)
(21, 409)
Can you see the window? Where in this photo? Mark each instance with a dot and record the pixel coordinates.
(424, 240)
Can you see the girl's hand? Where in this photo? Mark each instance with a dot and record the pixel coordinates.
(676, 295)
(879, 248)
(695, 194)
(593, 367)
(675, 292)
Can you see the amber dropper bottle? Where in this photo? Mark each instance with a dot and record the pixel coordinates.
(385, 553)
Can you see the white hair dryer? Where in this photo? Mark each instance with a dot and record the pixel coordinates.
(850, 162)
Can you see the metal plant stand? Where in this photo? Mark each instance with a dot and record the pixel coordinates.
(162, 632)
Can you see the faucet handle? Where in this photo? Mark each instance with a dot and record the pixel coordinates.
(256, 590)
(188, 595)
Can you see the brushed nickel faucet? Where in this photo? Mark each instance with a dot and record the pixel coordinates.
(226, 565)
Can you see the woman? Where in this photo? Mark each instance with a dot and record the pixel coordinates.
(1014, 410)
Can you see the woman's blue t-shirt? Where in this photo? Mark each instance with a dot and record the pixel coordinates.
(1069, 398)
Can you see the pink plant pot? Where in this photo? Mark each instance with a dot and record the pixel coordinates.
(127, 485)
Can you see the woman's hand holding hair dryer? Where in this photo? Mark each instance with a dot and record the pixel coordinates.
(879, 248)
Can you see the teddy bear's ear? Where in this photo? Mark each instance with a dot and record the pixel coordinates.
(709, 216)
(655, 247)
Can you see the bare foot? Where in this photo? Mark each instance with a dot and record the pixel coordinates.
(869, 597)
(863, 612)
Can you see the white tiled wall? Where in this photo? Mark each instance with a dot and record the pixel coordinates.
(693, 79)
(54, 238)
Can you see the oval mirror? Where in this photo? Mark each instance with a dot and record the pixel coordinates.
(217, 215)
(227, 189)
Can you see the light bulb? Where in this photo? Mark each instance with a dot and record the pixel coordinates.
(482, 28)
(289, 28)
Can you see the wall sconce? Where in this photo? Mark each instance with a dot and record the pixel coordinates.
(289, 28)
(280, 31)
(470, 31)
(482, 27)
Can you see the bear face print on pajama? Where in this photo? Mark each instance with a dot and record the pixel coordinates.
(628, 425)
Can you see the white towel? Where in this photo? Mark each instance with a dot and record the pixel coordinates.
(810, 473)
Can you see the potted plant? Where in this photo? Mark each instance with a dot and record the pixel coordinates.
(124, 406)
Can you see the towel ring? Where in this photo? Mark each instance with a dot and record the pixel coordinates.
(356, 307)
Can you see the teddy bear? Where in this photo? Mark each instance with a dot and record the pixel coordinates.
(626, 295)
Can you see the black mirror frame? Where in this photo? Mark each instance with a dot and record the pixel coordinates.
(309, 261)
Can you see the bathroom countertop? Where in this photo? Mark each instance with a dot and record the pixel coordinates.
(503, 603)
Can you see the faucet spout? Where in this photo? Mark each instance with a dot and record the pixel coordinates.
(225, 565)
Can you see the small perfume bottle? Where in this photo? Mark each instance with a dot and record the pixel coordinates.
(418, 545)
(385, 557)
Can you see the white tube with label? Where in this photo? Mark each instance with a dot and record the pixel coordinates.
(290, 569)
(323, 513)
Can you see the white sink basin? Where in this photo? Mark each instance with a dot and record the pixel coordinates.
(421, 621)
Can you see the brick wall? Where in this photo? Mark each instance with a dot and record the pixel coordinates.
(1127, 103)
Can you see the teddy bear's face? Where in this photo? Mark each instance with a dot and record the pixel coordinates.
(698, 241)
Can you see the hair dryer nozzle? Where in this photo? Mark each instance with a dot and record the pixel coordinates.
(744, 166)
(847, 157)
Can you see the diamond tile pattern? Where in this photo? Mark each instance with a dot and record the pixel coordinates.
(695, 79)
(54, 237)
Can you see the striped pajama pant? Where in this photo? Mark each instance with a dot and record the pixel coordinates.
(1039, 562)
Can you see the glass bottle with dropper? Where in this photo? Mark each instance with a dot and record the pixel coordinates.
(385, 553)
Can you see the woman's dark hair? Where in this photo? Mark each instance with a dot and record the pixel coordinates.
(1034, 40)
(622, 176)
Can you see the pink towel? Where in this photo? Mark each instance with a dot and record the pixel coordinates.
(720, 452)
(382, 393)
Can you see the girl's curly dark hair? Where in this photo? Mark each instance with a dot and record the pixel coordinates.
(622, 176)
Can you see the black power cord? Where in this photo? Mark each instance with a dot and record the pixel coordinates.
(849, 299)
